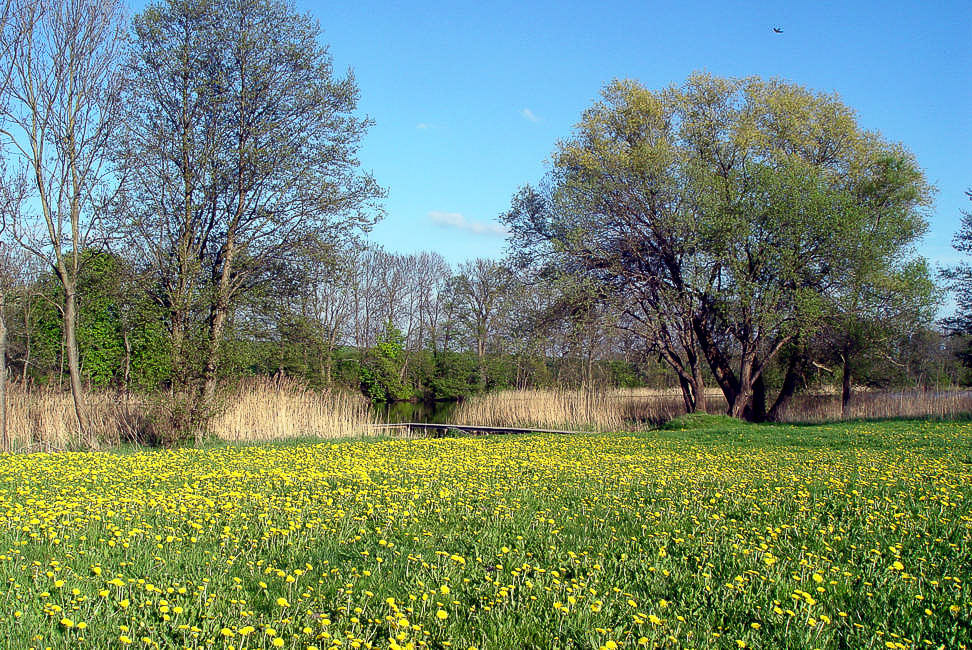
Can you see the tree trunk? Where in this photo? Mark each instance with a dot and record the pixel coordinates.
(718, 363)
(758, 411)
(217, 323)
(688, 398)
(4, 439)
(790, 382)
(845, 390)
(693, 392)
(178, 361)
(697, 381)
(740, 403)
(74, 371)
(127, 371)
(739, 399)
(23, 375)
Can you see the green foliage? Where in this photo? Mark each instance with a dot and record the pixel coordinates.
(383, 369)
(151, 364)
(99, 328)
(624, 375)
(456, 375)
(726, 218)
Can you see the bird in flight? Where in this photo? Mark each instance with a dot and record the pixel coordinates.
(778, 30)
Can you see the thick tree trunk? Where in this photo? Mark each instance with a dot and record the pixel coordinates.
(218, 313)
(74, 369)
(719, 365)
(693, 392)
(758, 408)
(739, 399)
(740, 402)
(217, 324)
(688, 398)
(790, 382)
(697, 381)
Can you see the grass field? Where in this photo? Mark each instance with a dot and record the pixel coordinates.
(712, 535)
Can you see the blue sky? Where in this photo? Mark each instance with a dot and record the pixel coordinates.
(469, 98)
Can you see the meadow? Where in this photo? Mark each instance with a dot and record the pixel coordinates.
(707, 533)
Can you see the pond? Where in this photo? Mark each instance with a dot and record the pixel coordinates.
(430, 412)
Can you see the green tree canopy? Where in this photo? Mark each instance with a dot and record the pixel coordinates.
(729, 217)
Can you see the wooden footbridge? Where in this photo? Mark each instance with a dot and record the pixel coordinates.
(439, 430)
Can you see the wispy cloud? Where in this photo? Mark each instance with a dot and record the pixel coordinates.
(529, 115)
(422, 126)
(457, 220)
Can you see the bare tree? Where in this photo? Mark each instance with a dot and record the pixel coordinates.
(264, 159)
(10, 200)
(432, 276)
(168, 148)
(13, 189)
(62, 57)
(329, 304)
(479, 287)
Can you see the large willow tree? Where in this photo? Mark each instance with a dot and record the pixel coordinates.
(730, 219)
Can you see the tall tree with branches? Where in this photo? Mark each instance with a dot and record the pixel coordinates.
(725, 216)
(61, 110)
(958, 280)
(240, 153)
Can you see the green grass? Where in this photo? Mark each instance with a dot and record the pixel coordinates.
(708, 533)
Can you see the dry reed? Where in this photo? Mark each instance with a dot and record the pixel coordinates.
(574, 409)
(822, 407)
(624, 408)
(279, 409)
(42, 418)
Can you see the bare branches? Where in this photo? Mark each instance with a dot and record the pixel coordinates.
(59, 109)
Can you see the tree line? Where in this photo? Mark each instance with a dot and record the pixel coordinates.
(182, 203)
(395, 326)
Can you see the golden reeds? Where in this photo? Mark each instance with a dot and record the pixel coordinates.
(280, 409)
(571, 409)
(823, 407)
(42, 419)
(626, 408)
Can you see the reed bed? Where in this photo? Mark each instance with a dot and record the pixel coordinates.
(870, 405)
(281, 409)
(624, 408)
(42, 418)
(575, 409)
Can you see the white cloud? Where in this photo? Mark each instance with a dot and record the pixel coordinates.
(422, 126)
(457, 220)
(528, 115)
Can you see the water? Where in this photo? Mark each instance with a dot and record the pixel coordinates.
(429, 412)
